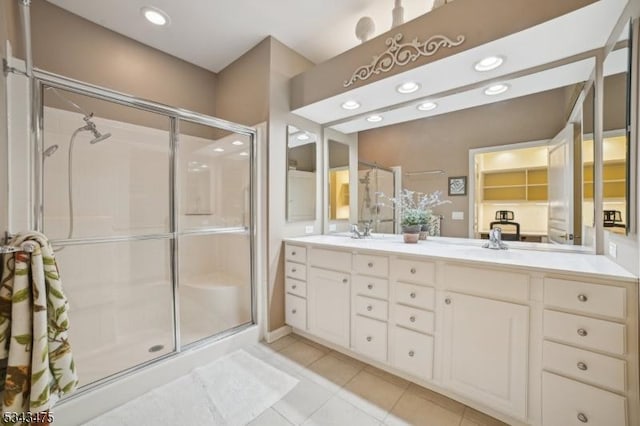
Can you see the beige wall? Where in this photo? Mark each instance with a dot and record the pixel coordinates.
(443, 142)
(284, 63)
(482, 21)
(69, 45)
(242, 91)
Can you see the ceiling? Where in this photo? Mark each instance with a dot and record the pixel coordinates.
(580, 31)
(213, 33)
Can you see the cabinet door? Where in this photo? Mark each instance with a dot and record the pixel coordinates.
(328, 300)
(485, 351)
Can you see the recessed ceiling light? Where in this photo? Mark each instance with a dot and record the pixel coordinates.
(408, 87)
(237, 143)
(496, 89)
(374, 118)
(218, 149)
(351, 105)
(489, 63)
(303, 137)
(244, 153)
(204, 166)
(155, 16)
(427, 106)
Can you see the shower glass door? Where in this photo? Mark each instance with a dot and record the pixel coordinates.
(214, 271)
(106, 208)
(376, 185)
(150, 217)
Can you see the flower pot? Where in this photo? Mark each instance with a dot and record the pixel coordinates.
(424, 231)
(411, 238)
(411, 233)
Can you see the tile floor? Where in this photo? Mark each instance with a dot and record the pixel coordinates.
(335, 389)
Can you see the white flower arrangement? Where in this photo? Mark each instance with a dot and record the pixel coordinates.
(415, 208)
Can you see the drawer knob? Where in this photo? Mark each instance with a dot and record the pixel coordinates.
(412, 295)
(412, 318)
(293, 253)
(344, 280)
(293, 311)
(369, 308)
(369, 338)
(293, 270)
(583, 297)
(370, 264)
(370, 286)
(447, 301)
(294, 286)
(413, 270)
(582, 332)
(583, 418)
(582, 366)
(411, 354)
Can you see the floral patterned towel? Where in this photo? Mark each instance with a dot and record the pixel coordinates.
(33, 329)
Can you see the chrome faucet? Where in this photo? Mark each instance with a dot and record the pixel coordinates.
(357, 234)
(495, 240)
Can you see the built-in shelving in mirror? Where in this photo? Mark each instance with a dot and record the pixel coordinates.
(301, 174)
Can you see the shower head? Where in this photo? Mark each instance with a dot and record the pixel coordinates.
(99, 137)
(50, 151)
(91, 126)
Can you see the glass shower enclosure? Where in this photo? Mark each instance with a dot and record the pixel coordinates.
(150, 212)
(376, 185)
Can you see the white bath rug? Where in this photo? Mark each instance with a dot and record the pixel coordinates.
(230, 391)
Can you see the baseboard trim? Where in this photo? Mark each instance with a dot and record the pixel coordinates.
(274, 335)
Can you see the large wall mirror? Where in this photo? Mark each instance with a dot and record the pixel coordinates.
(339, 181)
(616, 203)
(301, 174)
(508, 147)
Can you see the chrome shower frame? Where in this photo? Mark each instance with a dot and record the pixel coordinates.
(42, 79)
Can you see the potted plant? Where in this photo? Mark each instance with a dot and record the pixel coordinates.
(425, 219)
(415, 211)
(411, 224)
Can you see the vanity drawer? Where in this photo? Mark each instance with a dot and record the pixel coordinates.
(415, 295)
(585, 365)
(295, 311)
(416, 319)
(378, 266)
(370, 338)
(295, 253)
(414, 271)
(591, 333)
(297, 287)
(295, 270)
(373, 308)
(567, 402)
(585, 297)
(413, 353)
(488, 282)
(369, 286)
(331, 259)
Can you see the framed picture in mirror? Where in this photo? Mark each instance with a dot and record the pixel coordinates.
(458, 185)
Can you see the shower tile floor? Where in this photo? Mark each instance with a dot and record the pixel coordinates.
(333, 389)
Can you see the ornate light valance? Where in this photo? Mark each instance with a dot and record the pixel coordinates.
(401, 54)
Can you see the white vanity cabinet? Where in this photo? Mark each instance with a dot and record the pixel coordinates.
(370, 306)
(295, 283)
(486, 347)
(527, 344)
(329, 295)
(586, 353)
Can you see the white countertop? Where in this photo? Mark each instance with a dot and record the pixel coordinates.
(546, 257)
